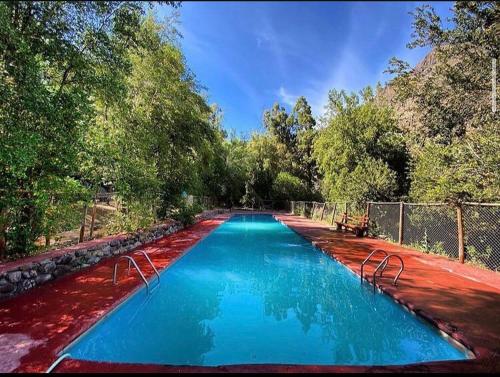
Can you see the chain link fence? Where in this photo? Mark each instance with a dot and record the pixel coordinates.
(481, 234)
(384, 221)
(324, 212)
(429, 227)
(434, 227)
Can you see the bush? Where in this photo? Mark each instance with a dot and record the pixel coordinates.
(288, 187)
(186, 213)
(138, 215)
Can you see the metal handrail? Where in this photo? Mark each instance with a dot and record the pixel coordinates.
(150, 262)
(56, 363)
(368, 258)
(386, 260)
(130, 259)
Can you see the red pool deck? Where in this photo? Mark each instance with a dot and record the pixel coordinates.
(36, 325)
(461, 300)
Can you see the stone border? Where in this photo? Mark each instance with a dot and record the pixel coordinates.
(20, 276)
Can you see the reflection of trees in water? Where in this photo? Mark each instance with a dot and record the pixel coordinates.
(290, 278)
(295, 279)
(186, 308)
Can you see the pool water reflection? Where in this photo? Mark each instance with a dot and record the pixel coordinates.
(255, 292)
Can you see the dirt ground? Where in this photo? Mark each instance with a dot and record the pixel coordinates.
(104, 212)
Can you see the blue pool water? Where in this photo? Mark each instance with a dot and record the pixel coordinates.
(255, 292)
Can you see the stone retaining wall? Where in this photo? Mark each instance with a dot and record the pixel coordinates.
(27, 273)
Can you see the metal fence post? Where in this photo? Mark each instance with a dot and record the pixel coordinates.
(323, 211)
(368, 207)
(401, 222)
(460, 230)
(334, 210)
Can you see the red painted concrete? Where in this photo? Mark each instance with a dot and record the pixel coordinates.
(56, 313)
(35, 326)
(76, 366)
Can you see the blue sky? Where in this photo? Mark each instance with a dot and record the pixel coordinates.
(249, 55)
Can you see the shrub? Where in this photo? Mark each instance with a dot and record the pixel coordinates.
(186, 213)
(288, 187)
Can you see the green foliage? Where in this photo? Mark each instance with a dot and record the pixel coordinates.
(454, 140)
(280, 125)
(92, 93)
(137, 215)
(186, 213)
(284, 151)
(476, 257)
(360, 152)
(288, 187)
(305, 124)
(54, 57)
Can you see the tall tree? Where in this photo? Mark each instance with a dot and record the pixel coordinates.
(452, 103)
(305, 140)
(360, 152)
(279, 124)
(55, 59)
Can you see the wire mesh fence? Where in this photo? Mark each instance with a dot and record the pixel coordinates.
(384, 220)
(330, 213)
(324, 212)
(356, 209)
(429, 227)
(317, 211)
(481, 234)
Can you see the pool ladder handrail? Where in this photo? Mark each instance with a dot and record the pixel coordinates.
(149, 261)
(369, 257)
(386, 260)
(131, 260)
(57, 362)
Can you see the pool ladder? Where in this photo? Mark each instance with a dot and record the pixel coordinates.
(382, 266)
(131, 261)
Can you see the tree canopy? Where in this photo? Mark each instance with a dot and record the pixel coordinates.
(99, 94)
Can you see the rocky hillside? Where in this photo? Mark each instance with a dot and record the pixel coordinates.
(408, 119)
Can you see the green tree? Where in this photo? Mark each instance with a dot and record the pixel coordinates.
(163, 124)
(266, 158)
(280, 125)
(306, 164)
(54, 56)
(454, 123)
(288, 187)
(360, 152)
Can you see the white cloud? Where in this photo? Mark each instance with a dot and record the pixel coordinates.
(348, 70)
(287, 97)
(204, 48)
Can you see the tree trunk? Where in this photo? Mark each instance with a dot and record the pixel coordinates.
(82, 228)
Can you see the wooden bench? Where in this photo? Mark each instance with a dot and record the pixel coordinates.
(357, 224)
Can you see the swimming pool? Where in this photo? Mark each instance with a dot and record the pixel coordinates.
(255, 292)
